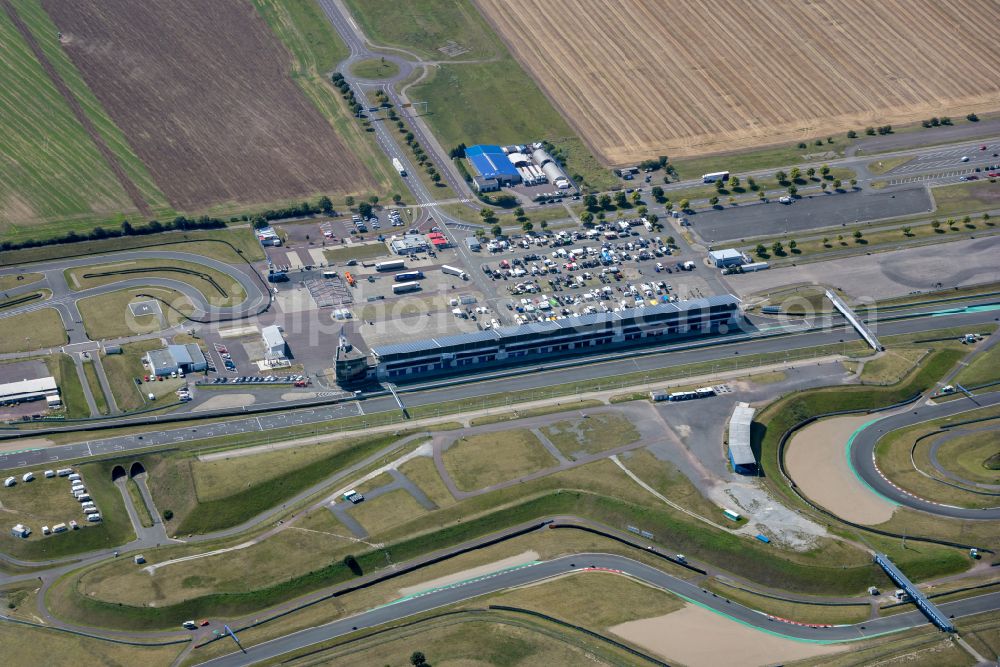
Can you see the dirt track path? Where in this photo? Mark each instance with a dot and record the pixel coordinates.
(109, 157)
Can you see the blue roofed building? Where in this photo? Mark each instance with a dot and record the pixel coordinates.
(492, 166)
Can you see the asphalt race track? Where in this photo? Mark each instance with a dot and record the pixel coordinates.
(862, 456)
(471, 387)
(580, 563)
(64, 299)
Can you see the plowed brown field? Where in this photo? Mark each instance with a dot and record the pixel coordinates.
(687, 77)
(202, 92)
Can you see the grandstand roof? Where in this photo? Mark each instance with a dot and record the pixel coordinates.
(491, 162)
(631, 314)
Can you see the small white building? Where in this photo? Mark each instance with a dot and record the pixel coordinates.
(727, 257)
(274, 342)
(410, 244)
(740, 449)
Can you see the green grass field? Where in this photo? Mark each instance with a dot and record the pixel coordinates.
(481, 460)
(114, 530)
(893, 455)
(140, 505)
(594, 434)
(271, 561)
(63, 369)
(884, 238)
(122, 369)
(610, 499)
(316, 49)
(882, 166)
(474, 640)
(756, 160)
(971, 197)
(55, 179)
(234, 292)
(388, 511)
(214, 479)
(375, 68)
(473, 104)
(969, 455)
(490, 101)
(596, 601)
(33, 330)
(893, 365)
(424, 26)
(174, 486)
(25, 645)
(18, 280)
(422, 472)
(108, 315)
(198, 242)
(798, 611)
(100, 400)
(984, 368)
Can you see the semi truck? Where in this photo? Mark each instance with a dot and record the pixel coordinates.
(391, 265)
(452, 271)
(408, 276)
(715, 176)
(399, 166)
(400, 288)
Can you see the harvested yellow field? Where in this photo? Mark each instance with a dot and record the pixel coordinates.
(688, 77)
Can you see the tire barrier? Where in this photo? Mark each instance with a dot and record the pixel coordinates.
(387, 576)
(111, 640)
(163, 269)
(18, 301)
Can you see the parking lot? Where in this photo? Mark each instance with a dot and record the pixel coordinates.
(616, 265)
(808, 213)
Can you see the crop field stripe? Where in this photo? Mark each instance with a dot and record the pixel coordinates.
(687, 78)
(109, 157)
(41, 25)
(211, 107)
(37, 134)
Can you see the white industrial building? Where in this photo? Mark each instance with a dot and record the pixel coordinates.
(274, 342)
(411, 244)
(727, 257)
(550, 168)
(740, 451)
(177, 359)
(29, 390)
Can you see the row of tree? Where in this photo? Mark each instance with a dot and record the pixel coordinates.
(125, 229)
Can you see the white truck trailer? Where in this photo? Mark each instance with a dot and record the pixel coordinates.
(390, 265)
(453, 271)
(399, 166)
(401, 288)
